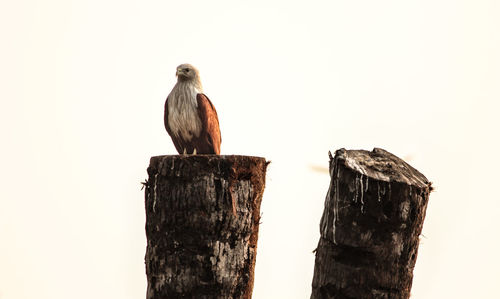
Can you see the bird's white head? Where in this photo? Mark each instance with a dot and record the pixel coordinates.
(187, 73)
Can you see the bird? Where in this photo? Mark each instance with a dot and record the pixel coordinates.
(190, 117)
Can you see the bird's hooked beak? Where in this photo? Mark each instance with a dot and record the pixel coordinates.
(179, 72)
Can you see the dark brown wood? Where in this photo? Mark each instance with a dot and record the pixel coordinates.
(370, 228)
(202, 224)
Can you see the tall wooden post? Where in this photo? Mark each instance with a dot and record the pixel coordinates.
(370, 228)
(202, 224)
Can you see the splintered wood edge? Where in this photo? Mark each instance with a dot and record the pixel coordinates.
(381, 165)
(242, 162)
(230, 157)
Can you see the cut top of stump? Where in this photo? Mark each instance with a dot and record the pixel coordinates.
(227, 166)
(381, 165)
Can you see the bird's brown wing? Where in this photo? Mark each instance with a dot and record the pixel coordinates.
(210, 134)
(175, 140)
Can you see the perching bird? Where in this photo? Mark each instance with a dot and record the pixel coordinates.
(190, 117)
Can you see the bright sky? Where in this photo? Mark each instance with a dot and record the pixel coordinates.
(83, 85)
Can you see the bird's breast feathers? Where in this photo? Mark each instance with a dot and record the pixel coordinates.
(183, 118)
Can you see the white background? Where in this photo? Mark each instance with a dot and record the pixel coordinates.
(82, 88)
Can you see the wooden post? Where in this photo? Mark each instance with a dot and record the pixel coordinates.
(202, 224)
(370, 228)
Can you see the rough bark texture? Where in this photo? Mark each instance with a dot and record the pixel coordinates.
(373, 216)
(202, 223)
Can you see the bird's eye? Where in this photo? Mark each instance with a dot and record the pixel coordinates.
(187, 70)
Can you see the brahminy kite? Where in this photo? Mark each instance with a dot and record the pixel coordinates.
(190, 117)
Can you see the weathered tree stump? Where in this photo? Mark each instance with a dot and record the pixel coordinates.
(202, 223)
(373, 216)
